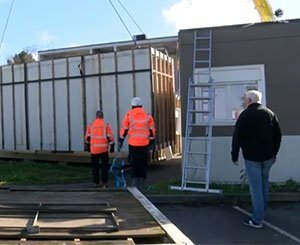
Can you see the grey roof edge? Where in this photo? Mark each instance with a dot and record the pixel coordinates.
(288, 21)
(109, 44)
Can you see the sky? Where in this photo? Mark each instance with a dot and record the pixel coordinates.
(48, 24)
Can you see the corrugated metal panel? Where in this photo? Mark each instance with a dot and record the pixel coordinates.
(6, 74)
(144, 90)
(124, 60)
(60, 68)
(125, 87)
(20, 117)
(46, 69)
(47, 115)
(76, 123)
(33, 116)
(18, 73)
(109, 101)
(59, 97)
(142, 59)
(91, 64)
(61, 113)
(107, 63)
(32, 71)
(73, 66)
(1, 110)
(92, 98)
(8, 118)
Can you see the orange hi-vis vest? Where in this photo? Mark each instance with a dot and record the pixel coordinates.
(139, 124)
(100, 136)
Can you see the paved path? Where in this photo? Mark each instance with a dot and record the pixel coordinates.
(223, 224)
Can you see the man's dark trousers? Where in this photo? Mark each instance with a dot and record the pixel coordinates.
(104, 167)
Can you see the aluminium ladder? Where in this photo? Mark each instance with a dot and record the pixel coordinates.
(199, 117)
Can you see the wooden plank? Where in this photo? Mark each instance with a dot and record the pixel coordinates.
(19, 222)
(56, 208)
(103, 242)
(60, 224)
(132, 219)
(173, 232)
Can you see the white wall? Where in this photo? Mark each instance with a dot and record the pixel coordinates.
(286, 166)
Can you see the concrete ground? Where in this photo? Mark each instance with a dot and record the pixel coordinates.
(223, 224)
(164, 171)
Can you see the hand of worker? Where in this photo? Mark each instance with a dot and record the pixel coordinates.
(152, 142)
(151, 145)
(112, 148)
(121, 141)
(235, 161)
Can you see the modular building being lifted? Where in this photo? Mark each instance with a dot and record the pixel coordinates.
(46, 105)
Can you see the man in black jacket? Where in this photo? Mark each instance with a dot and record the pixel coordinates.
(258, 133)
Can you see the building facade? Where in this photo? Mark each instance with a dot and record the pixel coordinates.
(264, 56)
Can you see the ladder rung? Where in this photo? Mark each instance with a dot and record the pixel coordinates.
(202, 73)
(195, 167)
(202, 49)
(200, 98)
(199, 125)
(202, 38)
(196, 182)
(199, 111)
(197, 153)
(198, 138)
(202, 61)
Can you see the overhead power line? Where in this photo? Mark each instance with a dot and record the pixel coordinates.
(131, 17)
(6, 23)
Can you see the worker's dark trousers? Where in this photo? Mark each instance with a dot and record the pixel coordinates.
(104, 167)
(138, 159)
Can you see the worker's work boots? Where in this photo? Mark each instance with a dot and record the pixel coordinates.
(142, 183)
(135, 182)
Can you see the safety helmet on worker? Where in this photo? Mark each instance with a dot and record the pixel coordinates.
(136, 102)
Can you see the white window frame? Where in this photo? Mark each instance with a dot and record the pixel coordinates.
(236, 75)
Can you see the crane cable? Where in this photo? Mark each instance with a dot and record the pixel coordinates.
(131, 17)
(122, 20)
(6, 24)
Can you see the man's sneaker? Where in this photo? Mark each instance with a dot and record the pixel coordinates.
(251, 223)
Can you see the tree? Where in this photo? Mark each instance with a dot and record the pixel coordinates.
(20, 58)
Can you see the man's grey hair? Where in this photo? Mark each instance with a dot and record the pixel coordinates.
(254, 96)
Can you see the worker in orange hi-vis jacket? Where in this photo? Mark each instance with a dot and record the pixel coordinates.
(140, 128)
(100, 137)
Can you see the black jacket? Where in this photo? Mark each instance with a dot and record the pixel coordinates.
(258, 133)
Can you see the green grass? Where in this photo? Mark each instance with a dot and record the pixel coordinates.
(41, 173)
(163, 187)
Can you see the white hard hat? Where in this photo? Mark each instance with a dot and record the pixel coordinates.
(136, 101)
